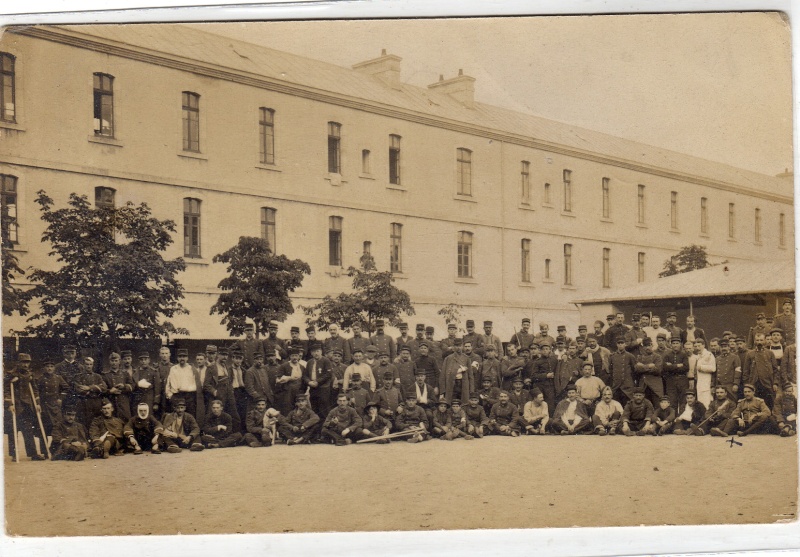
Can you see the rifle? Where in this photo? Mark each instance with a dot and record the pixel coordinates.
(414, 431)
(695, 427)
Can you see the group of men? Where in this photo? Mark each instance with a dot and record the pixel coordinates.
(632, 379)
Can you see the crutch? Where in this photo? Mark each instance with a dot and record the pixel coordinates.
(14, 421)
(41, 425)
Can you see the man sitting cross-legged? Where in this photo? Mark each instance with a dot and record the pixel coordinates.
(570, 416)
(181, 430)
(300, 425)
(218, 431)
(342, 423)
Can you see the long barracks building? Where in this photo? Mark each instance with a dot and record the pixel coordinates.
(505, 213)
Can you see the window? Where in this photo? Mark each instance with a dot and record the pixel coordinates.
(396, 254)
(266, 135)
(268, 227)
(526, 183)
(334, 148)
(104, 198)
(367, 248)
(191, 227)
(10, 226)
(464, 254)
(365, 161)
(641, 266)
(464, 177)
(568, 264)
(394, 159)
(673, 210)
(757, 227)
(703, 215)
(568, 191)
(606, 198)
(335, 241)
(731, 220)
(546, 199)
(606, 267)
(782, 230)
(546, 269)
(191, 122)
(525, 251)
(103, 104)
(8, 104)
(640, 205)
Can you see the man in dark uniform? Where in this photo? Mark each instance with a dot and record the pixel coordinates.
(89, 389)
(675, 369)
(382, 341)
(473, 337)
(22, 380)
(622, 367)
(237, 371)
(290, 375)
(357, 341)
(761, 371)
(220, 429)
(512, 366)
(729, 369)
(119, 384)
(249, 345)
(147, 384)
(504, 417)
(163, 366)
(543, 335)
(635, 336)
(69, 368)
(342, 423)
(615, 330)
(543, 372)
(448, 344)
(107, 432)
(52, 390)
(672, 326)
(69, 437)
(414, 343)
(311, 335)
(317, 378)
(759, 327)
(295, 341)
(272, 344)
(299, 426)
(488, 338)
(181, 429)
(218, 386)
(434, 347)
(335, 342)
(404, 337)
(786, 321)
(427, 364)
(257, 383)
(522, 338)
(648, 369)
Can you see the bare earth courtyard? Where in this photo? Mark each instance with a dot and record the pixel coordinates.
(489, 483)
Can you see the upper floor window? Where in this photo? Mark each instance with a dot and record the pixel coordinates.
(334, 148)
(464, 254)
(8, 219)
(673, 210)
(8, 104)
(464, 171)
(606, 267)
(266, 135)
(568, 191)
(103, 104)
(568, 264)
(640, 205)
(525, 252)
(525, 182)
(335, 241)
(367, 250)
(191, 227)
(396, 248)
(641, 266)
(703, 215)
(394, 159)
(731, 220)
(105, 198)
(365, 166)
(546, 269)
(782, 230)
(268, 227)
(546, 195)
(191, 121)
(757, 227)
(606, 198)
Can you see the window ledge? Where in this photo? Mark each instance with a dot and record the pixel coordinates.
(18, 249)
(641, 225)
(396, 187)
(525, 207)
(192, 155)
(548, 206)
(734, 240)
(568, 287)
(335, 271)
(704, 235)
(568, 214)
(548, 281)
(607, 219)
(196, 261)
(105, 140)
(268, 167)
(465, 280)
(526, 284)
(674, 230)
(467, 198)
(12, 126)
(335, 179)
(366, 176)
(399, 276)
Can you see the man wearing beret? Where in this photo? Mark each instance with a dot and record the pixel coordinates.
(523, 337)
(147, 384)
(273, 344)
(184, 381)
(317, 378)
(52, 390)
(637, 416)
(119, 384)
(382, 341)
(25, 403)
(358, 340)
(249, 345)
(472, 337)
(69, 437)
(751, 414)
(786, 321)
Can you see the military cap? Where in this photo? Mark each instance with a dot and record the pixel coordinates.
(178, 401)
(545, 342)
(574, 343)
(144, 355)
(411, 396)
(272, 324)
(528, 350)
(300, 397)
(561, 339)
(421, 344)
(598, 323)
(380, 323)
(487, 324)
(49, 361)
(638, 390)
(526, 320)
(222, 351)
(429, 329)
(561, 328)
(776, 330)
(486, 380)
(583, 328)
(370, 348)
(23, 357)
(126, 354)
(590, 364)
(402, 325)
(675, 339)
(419, 371)
(470, 323)
(620, 339)
(442, 400)
(420, 326)
(451, 326)
(787, 301)
(294, 329)
(518, 379)
(636, 316)
(455, 402)
(591, 336)
(664, 397)
(311, 329)
(260, 355)
(788, 385)
(672, 314)
(724, 342)
(249, 327)
(748, 386)
(382, 353)
(70, 408)
(760, 315)
(457, 341)
(770, 320)
(388, 375)
(536, 391)
(70, 348)
(691, 392)
(316, 345)
(182, 352)
(260, 399)
(355, 376)
(299, 351)
(403, 348)
(659, 336)
(474, 396)
(211, 349)
(542, 325)
(371, 404)
(339, 352)
(727, 334)
(571, 387)
(106, 401)
(610, 316)
(647, 341)
(491, 348)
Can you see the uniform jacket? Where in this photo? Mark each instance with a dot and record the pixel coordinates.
(323, 370)
(648, 368)
(442, 420)
(475, 416)
(100, 424)
(540, 368)
(698, 333)
(297, 417)
(219, 385)
(356, 342)
(388, 400)
(729, 369)
(523, 340)
(249, 348)
(786, 322)
(698, 411)
(568, 371)
(273, 344)
(257, 384)
(411, 418)
(760, 367)
(384, 342)
(486, 340)
(504, 414)
(124, 382)
(519, 399)
(430, 366)
(149, 425)
(339, 343)
(212, 423)
(622, 369)
(788, 371)
(511, 368)
(343, 417)
(490, 367)
(255, 421)
(151, 394)
(636, 412)
(65, 434)
(453, 365)
(377, 425)
(752, 409)
(190, 425)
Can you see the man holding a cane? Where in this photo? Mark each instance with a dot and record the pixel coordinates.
(19, 383)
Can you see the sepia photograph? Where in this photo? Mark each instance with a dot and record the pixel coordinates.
(275, 277)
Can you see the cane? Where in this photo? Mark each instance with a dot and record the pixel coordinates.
(41, 425)
(14, 421)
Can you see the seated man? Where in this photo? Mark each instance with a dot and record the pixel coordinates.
(258, 435)
(388, 397)
(535, 416)
(784, 414)
(143, 430)
(342, 423)
(374, 424)
(570, 416)
(219, 431)
(750, 415)
(518, 396)
(459, 420)
(413, 417)
(718, 413)
(357, 395)
(69, 437)
(504, 417)
(106, 432)
(589, 386)
(477, 422)
(442, 421)
(181, 430)
(637, 416)
(488, 395)
(300, 425)
(607, 414)
(664, 417)
(689, 415)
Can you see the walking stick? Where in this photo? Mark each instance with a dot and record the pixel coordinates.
(41, 425)
(14, 421)
(414, 431)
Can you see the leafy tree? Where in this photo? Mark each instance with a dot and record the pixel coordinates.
(113, 281)
(689, 258)
(257, 286)
(13, 298)
(452, 314)
(373, 297)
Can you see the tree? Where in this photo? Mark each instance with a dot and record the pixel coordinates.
(452, 314)
(257, 286)
(373, 297)
(13, 298)
(689, 258)
(113, 282)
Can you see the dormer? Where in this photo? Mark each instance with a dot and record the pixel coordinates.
(461, 88)
(386, 68)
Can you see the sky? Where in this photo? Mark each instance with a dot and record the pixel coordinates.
(717, 86)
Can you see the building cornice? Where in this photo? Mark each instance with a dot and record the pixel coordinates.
(132, 52)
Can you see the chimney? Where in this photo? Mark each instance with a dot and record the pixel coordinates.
(386, 68)
(461, 88)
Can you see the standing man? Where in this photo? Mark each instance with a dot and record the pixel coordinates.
(406, 368)
(615, 330)
(623, 367)
(427, 364)
(404, 337)
(258, 385)
(382, 341)
(146, 384)
(218, 387)
(457, 377)
(290, 375)
(511, 366)
(673, 331)
(414, 343)
(164, 365)
(702, 368)
(635, 335)
(358, 340)
(447, 344)
(472, 337)
(488, 338)
(311, 334)
(567, 372)
(544, 330)
(335, 342)
(184, 380)
(599, 356)
(249, 345)
(649, 365)
(655, 329)
(120, 386)
(89, 389)
(237, 371)
(523, 337)
(676, 370)
(272, 344)
(295, 341)
(543, 372)
(729, 369)
(317, 377)
(760, 371)
(786, 321)
(52, 390)
(69, 369)
(434, 348)
(692, 332)
(22, 380)
(363, 369)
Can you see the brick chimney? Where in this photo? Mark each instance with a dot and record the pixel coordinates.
(386, 68)
(461, 88)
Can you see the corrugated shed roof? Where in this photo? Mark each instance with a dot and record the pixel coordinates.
(725, 279)
(200, 46)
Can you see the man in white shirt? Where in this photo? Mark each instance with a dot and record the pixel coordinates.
(363, 369)
(184, 380)
(654, 329)
(702, 367)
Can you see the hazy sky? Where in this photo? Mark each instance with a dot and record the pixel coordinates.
(716, 86)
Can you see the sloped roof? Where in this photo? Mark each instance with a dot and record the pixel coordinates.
(208, 48)
(725, 279)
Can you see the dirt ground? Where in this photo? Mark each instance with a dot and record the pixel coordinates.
(489, 483)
